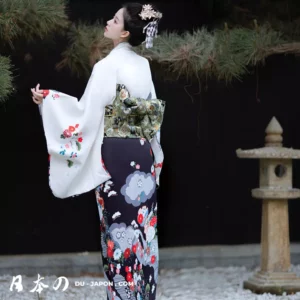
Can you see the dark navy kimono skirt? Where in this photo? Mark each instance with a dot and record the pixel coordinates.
(127, 207)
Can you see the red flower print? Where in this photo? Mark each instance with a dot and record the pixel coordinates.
(71, 128)
(101, 201)
(148, 250)
(140, 267)
(131, 285)
(110, 253)
(153, 259)
(127, 253)
(128, 276)
(77, 125)
(140, 218)
(134, 248)
(80, 140)
(126, 269)
(67, 133)
(45, 93)
(159, 165)
(153, 221)
(55, 96)
(110, 244)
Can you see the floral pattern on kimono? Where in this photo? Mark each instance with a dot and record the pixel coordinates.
(128, 248)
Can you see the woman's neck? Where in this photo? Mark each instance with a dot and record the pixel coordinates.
(116, 43)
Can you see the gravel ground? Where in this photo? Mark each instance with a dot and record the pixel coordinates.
(185, 284)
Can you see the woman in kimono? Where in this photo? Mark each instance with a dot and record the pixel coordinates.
(110, 141)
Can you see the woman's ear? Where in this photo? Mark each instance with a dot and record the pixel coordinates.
(125, 34)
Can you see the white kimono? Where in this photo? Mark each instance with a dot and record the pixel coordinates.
(74, 129)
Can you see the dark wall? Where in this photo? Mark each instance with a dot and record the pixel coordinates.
(205, 193)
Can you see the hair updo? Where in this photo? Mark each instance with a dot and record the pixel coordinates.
(134, 23)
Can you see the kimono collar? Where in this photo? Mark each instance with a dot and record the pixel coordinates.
(123, 45)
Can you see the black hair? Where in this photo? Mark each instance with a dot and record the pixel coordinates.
(134, 23)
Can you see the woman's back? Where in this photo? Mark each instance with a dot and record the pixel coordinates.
(132, 70)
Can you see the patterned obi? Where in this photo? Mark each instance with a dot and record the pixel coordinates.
(130, 117)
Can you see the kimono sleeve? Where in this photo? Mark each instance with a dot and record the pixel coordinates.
(74, 133)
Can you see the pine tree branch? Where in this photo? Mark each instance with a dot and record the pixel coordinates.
(27, 19)
(87, 45)
(224, 54)
(30, 19)
(6, 85)
(288, 48)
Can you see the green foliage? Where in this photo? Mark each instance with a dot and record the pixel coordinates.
(6, 86)
(86, 46)
(26, 19)
(184, 55)
(226, 54)
(238, 48)
(30, 19)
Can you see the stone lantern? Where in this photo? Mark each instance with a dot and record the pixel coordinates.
(275, 188)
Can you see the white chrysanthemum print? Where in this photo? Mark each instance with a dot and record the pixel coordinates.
(117, 254)
(150, 234)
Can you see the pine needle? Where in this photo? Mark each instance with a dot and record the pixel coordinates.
(6, 85)
(30, 19)
(87, 45)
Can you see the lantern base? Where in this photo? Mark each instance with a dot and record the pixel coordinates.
(275, 283)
